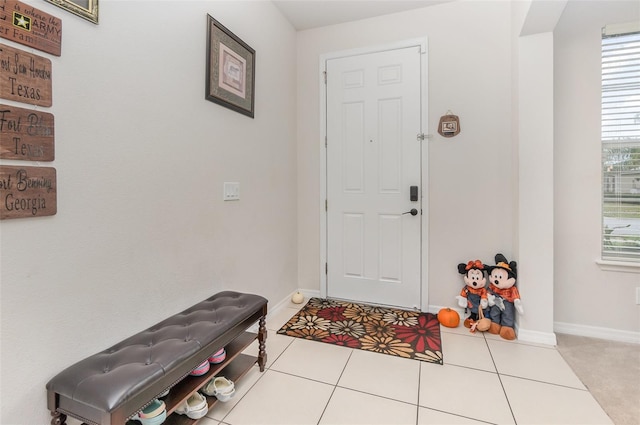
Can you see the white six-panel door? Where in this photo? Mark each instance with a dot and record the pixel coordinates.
(373, 158)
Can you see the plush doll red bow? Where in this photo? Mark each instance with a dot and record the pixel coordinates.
(474, 265)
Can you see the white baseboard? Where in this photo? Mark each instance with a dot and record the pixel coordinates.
(284, 303)
(309, 293)
(547, 338)
(281, 304)
(434, 309)
(597, 332)
(272, 309)
(537, 337)
(524, 335)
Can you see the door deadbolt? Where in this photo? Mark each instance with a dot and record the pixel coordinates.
(413, 193)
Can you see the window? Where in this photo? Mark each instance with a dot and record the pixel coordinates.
(621, 144)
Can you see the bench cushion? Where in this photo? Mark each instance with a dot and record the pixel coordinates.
(109, 378)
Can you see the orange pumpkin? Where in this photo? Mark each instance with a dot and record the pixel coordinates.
(449, 318)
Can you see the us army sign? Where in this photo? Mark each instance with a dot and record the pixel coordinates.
(31, 27)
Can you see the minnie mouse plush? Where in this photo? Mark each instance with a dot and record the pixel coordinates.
(474, 294)
(504, 297)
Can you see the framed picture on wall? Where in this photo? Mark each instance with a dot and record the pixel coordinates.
(87, 9)
(231, 65)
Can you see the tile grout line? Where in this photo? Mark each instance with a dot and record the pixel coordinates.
(240, 399)
(515, 421)
(443, 411)
(489, 341)
(460, 416)
(346, 388)
(585, 389)
(334, 388)
(419, 382)
(417, 403)
(266, 368)
(326, 405)
(375, 395)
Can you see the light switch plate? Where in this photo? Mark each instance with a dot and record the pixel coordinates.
(231, 191)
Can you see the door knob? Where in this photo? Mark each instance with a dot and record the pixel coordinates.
(412, 212)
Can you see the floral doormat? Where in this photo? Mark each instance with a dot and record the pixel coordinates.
(401, 333)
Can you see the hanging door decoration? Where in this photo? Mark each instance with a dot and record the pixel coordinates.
(449, 125)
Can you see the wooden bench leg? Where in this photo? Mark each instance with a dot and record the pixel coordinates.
(58, 418)
(262, 336)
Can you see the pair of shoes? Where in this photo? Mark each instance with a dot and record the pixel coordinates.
(494, 328)
(153, 414)
(218, 356)
(164, 393)
(201, 369)
(194, 407)
(507, 333)
(221, 388)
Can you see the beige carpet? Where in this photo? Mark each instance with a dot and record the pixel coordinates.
(611, 372)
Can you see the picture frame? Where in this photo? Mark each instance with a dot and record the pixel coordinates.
(449, 127)
(230, 79)
(87, 9)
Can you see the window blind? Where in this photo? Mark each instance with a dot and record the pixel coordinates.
(621, 145)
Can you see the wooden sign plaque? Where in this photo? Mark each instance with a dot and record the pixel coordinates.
(25, 77)
(26, 134)
(27, 192)
(31, 27)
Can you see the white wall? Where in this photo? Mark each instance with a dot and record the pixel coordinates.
(470, 192)
(535, 185)
(588, 300)
(141, 230)
(473, 64)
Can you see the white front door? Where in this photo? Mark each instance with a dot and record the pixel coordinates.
(373, 107)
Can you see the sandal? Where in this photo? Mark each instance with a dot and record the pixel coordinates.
(218, 356)
(221, 388)
(194, 407)
(152, 410)
(201, 369)
(153, 414)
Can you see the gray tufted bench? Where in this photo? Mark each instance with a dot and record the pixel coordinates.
(109, 387)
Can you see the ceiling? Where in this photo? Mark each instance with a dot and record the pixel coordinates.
(307, 14)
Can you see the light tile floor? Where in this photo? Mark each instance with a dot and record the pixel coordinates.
(484, 379)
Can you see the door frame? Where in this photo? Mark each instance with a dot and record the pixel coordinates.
(424, 217)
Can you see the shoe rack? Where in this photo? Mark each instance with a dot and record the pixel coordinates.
(234, 367)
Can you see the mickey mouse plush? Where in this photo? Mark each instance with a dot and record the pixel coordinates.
(474, 294)
(503, 297)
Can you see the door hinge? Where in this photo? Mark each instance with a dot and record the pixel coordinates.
(325, 141)
(326, 205)
(324, 74)
(326, 268)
